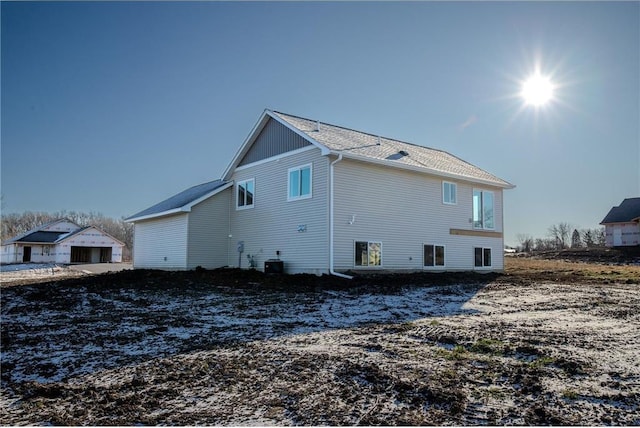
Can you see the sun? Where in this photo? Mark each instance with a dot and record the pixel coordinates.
(537, 90)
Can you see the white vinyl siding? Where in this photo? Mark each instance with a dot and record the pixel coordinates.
(376, 199)
(209, 232)
(298, 230)
(161, 243)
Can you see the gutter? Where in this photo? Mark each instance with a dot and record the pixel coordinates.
(331, 220)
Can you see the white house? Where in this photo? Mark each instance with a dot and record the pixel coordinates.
(327, 199)
(62, 241)
(622, 224)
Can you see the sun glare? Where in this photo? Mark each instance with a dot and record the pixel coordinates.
(537, 90)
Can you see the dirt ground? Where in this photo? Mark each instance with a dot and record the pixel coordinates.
(547, 342)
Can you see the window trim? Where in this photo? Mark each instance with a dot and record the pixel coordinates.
(444, 254)
(455, 186)
(253, 202)
(484, 264)
(367, 266)
(473, 211)
(300, 168)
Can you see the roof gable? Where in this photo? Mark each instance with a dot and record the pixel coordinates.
(274, 139)
(627, 211)
(181, 202)
(86, 229)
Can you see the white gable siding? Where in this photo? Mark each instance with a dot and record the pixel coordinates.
(209, 232)
(273, 223)
(404, 210)
(161, 243)
(61, 226)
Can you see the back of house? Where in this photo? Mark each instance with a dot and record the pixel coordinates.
(326, 199)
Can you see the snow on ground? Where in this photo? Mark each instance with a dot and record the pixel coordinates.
(18, 273)
(501, 353)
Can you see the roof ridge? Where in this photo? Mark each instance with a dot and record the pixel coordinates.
(364, 132)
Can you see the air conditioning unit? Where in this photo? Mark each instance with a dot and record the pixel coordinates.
(274, 266)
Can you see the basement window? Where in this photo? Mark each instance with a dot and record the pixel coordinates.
(368, 253)
(482, 257)
(433, 255)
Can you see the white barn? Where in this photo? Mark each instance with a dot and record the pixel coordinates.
(62, 241)
(328, 199)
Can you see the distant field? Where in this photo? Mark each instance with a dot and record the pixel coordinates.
(537, 269)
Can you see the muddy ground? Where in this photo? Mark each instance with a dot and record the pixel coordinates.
(547, 342)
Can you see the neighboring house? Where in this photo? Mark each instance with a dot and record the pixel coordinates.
(326, 199)
(622, 224)
(62, 241)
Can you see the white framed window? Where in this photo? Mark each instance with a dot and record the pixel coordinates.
(46, 250)
(299, 184)
(483, 209)
(482, 257)
(449, 193)
(245, 194)
(368, 253)
(433, 255)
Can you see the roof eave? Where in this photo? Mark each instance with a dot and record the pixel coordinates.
(183, 209)
(179, 210)
(424, 170)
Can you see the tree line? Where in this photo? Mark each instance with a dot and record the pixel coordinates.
(562, 236)
(18, 223)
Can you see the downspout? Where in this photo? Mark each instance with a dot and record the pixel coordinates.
(331, 220)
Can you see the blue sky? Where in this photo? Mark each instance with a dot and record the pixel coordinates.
(112, 107)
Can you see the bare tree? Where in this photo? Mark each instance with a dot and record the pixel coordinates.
(560, 234)
(526, 242)
(576, 242)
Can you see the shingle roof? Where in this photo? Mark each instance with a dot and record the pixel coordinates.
(351, 142)
(180, 200)
(41, 236)
(629, 210)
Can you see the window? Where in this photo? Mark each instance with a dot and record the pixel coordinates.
(449, 193)
(46, 250)
(368, 253)
(483, 210)
(433, 255)
(245, 193)
(482, 257)
(299, 183)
